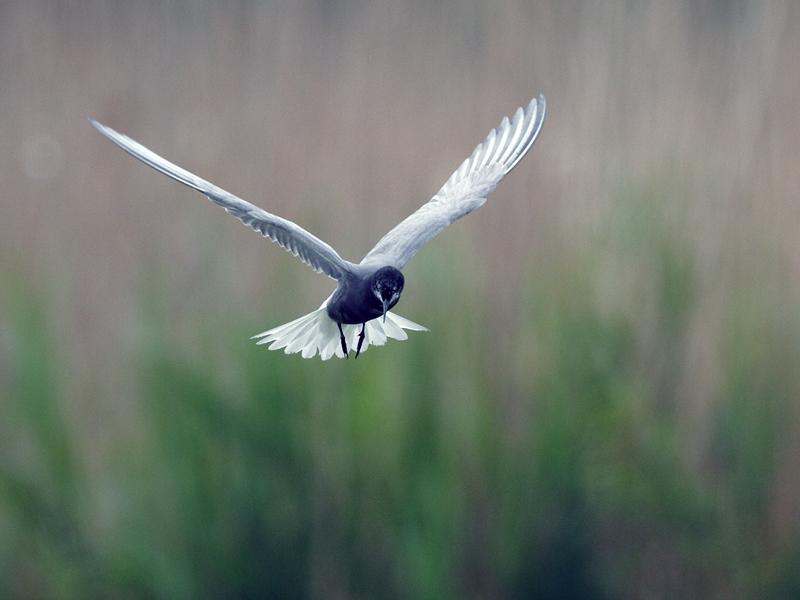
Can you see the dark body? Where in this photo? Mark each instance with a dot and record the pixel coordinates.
(362, 297)
(355, 300)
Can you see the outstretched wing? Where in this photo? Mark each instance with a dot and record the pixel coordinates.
(466, 189)
(290, 236)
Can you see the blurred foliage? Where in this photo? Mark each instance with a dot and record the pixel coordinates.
(422, 470)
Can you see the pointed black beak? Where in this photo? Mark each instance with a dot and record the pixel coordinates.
(385, 302)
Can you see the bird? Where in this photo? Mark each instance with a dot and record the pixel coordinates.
(358, 312)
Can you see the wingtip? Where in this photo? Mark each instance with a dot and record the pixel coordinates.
(539, 104)
(98, 126)
(105, 129)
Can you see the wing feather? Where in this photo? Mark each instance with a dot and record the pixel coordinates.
(466, 189)
(290, 236)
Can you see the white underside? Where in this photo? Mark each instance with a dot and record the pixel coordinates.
(316, 333)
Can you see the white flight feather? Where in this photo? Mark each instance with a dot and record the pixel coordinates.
(290, 236)
(466, 189)
(316, 333)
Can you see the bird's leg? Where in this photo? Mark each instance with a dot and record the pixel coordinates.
(360, 339)
(344, 342)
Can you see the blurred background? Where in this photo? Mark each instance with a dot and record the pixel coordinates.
(606, 405)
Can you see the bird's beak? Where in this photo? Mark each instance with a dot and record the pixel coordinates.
(385, 302)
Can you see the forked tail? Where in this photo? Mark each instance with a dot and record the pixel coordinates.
(316, 333)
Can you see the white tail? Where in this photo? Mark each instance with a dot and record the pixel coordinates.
(317, 332)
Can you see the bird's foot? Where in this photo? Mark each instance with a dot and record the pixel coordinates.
(343, 341)
(360, 339)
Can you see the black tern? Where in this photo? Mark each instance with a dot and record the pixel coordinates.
(357, 312)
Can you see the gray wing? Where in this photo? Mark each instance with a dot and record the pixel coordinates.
(467, 188)
(293, 238)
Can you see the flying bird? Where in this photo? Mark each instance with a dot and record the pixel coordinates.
(357, 314)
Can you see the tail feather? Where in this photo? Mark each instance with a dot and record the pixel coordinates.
(316, 333)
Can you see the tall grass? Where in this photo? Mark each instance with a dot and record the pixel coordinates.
(562, 466)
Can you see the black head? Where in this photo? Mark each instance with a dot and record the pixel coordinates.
(387, 285)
